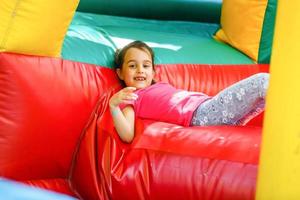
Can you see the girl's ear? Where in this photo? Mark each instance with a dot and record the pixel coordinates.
(120, 75)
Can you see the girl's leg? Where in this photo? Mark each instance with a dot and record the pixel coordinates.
(235, 103)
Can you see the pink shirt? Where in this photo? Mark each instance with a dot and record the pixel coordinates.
(163, 102)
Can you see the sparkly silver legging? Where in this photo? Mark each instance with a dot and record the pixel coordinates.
(234, 105)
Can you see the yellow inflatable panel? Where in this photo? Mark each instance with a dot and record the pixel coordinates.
(35, 27)
(279, 168)
(242, 22)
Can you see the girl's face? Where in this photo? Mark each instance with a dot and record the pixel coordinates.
(137, 69)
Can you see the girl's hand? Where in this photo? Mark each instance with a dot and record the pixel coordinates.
(125, 95)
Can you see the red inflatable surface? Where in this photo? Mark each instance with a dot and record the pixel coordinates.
(56, 133)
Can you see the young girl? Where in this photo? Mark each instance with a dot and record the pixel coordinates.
(144, 98)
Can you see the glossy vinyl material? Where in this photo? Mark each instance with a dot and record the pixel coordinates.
(192, 10)
(56, 133)
(173, 41)
(209, 79)
(60, 185)
(45, 103)
(153, 167)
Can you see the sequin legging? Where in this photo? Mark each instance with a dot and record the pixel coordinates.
(234, 105)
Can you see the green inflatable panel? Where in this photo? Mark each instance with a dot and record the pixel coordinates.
(173, 41)
(265, 47)
(187, 10)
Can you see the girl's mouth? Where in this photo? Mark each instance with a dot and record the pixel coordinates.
(139, 78)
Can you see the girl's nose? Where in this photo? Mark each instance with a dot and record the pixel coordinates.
(140, 69)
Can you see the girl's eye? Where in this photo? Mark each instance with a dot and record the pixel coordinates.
(147, 66)
(131, 66)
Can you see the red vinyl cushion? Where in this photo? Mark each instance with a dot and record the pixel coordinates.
(54, 125)
(166, 161)
(45, 104)
(209, 79)
(57, 185)
(214, 142)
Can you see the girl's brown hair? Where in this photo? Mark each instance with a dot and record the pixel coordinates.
(120, 53)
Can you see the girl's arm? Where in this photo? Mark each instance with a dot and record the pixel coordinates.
(123, 120)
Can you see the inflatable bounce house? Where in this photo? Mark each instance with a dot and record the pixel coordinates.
(56, 78)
